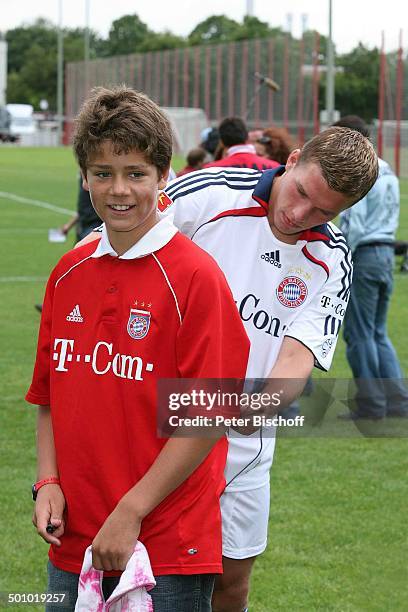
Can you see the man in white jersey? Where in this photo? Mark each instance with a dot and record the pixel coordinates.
(289, 270)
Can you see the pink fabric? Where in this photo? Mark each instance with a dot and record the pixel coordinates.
(130, 595)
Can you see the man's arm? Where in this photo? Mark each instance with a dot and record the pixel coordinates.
(50, 502)
(289, 374)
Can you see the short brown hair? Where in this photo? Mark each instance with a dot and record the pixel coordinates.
(129, 119)
(347, 160)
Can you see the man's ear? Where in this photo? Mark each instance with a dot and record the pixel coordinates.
(84, 181)
(292, 159)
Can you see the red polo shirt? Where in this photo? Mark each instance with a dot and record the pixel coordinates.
(111, 327)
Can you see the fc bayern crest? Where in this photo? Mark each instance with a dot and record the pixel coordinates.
(138, 324)
(292, 292)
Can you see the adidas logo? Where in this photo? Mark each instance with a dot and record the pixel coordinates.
(273, 258)
(75, 316)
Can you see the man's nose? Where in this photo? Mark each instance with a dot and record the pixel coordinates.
(301, 212)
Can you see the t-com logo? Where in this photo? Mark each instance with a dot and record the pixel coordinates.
(102, 360)
(249, 310)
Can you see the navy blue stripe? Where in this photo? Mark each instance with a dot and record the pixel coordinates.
(197, 177)
(337, 241)
(203, 186)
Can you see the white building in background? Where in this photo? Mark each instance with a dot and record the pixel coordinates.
(3, 70)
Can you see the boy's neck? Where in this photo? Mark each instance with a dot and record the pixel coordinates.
(121, 242)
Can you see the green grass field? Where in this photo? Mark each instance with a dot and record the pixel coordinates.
(338, 526)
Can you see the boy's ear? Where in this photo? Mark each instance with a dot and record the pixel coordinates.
(164, 178)
(84, 181)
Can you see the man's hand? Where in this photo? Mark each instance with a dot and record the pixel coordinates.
(116, 540)
(49, 508)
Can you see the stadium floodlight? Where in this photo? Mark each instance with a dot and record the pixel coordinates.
(330, 71)
(86, 42)
(250, 8)
(60, 73)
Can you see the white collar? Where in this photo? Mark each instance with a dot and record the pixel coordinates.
(153, 240)
(241, 148)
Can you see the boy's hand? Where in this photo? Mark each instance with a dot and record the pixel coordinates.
(115, 542)
(49, 508)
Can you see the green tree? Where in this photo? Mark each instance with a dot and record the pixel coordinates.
(36, 80)
(357, 86)
(127, 35)
(159, 41)
(21, 39)
(217, 28)
(252, 27)
(32, 57)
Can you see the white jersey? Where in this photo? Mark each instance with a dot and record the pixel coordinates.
(296, 290)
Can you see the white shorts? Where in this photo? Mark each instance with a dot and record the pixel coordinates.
(245, 517)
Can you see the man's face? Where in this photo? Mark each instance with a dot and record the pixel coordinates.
(123, 191)
(301, 199)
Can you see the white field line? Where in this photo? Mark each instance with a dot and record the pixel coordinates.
(23, 279)
(39, 203)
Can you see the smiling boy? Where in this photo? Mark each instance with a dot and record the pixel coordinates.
(141, 304)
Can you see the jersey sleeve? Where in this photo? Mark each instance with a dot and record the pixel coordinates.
(185, 201)
(39, 391)
(319, 324)
(211, 342)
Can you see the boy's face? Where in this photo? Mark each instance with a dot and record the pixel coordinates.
(123, 190)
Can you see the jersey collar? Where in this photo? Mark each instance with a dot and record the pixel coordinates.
(262, 191)
(155, 239)
(241, 148)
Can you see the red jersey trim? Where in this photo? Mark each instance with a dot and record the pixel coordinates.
(254, 211)
(170, 286)
(265, 205)
(316, 261)
(312, 236)
(71, 268)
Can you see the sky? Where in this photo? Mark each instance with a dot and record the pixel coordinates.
(353, 20)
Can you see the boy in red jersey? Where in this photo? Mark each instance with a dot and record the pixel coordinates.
(141, 304)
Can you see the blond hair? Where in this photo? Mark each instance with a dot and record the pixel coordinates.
(347, 160)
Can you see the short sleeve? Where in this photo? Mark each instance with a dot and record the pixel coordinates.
(319, 325)
(39, 391)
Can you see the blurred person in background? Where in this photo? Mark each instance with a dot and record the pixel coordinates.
(195, 161)
(85, 219)
(238, 153)
(210, 139)
(275, 143)
(369, 227)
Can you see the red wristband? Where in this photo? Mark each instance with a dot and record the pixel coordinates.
(37, 486)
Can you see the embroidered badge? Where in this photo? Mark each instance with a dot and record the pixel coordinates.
(292, 292)
(163, 202)
(138, 323)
